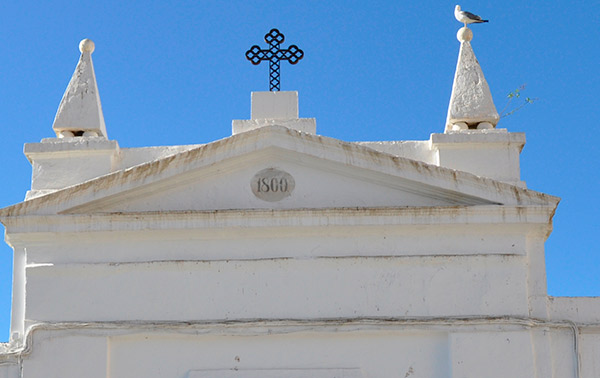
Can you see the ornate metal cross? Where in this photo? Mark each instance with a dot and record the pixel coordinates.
(274, 54)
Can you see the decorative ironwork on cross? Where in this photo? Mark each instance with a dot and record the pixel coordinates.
(274, 55)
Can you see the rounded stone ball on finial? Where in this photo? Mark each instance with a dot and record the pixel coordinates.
(464, 34)
(86, 45)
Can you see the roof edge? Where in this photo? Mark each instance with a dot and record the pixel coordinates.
(256, 139)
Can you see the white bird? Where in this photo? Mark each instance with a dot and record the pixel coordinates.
(467, 17)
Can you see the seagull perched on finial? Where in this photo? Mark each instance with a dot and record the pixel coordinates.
(467, 17)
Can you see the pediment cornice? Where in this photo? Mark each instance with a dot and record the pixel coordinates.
(279, 143)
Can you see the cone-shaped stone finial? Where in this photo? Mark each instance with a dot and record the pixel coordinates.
(471, 103)
(80, 111)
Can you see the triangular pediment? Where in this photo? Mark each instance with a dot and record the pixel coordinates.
(277, 168)
(275, 178)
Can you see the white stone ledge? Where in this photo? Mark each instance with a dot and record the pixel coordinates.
(270, 235)
(254, 327)
(474, 137)
(473, 216)
(86, 145)
(576, 309)
(305, 125)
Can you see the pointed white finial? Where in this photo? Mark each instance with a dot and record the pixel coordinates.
(80, 110)
(471, 103)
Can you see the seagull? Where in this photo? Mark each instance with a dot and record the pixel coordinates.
(467, 17)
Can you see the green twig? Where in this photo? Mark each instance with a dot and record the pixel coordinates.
(515, 95)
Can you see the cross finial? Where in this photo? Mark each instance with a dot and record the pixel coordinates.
(274, 54)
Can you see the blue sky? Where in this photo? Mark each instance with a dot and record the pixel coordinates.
(175, 73)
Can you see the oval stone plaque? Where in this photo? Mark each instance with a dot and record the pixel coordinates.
(272, 184)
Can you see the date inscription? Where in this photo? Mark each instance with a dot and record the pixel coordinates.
(272, 184)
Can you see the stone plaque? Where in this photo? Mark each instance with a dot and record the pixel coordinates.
(272, 184)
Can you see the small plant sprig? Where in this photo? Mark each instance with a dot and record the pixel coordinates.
(516, 94)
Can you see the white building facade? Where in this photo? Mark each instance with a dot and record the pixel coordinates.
(278, 252)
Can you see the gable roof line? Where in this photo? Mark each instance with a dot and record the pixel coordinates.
(240, 144)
